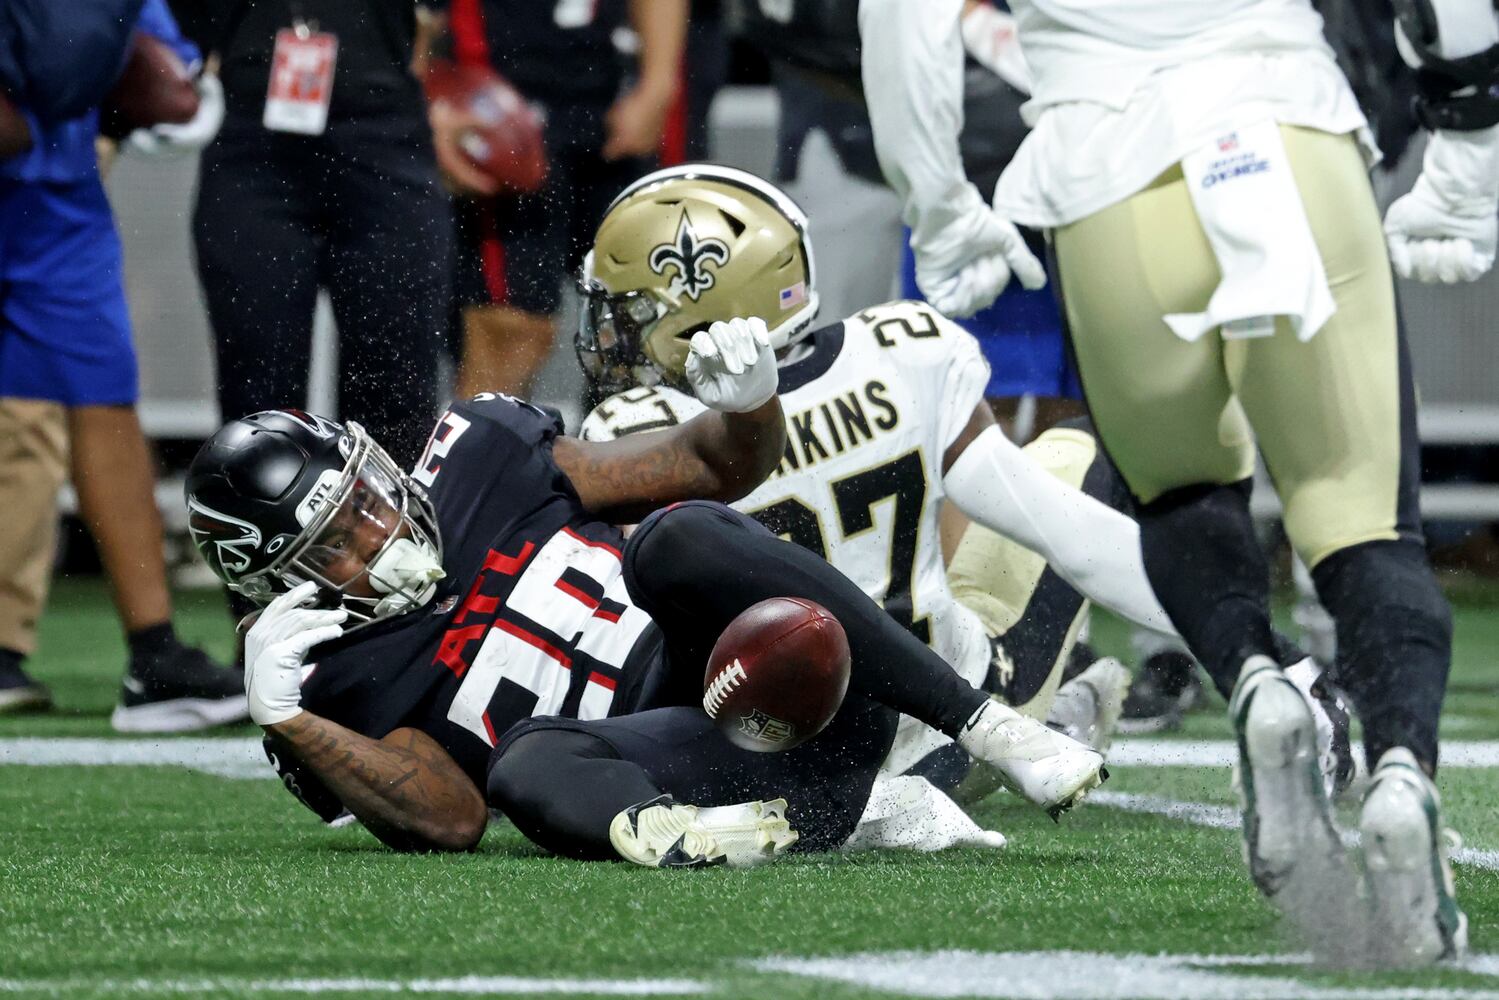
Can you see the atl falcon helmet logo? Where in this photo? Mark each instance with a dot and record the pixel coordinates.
(689, 257)
(234, 541)
(327, 484)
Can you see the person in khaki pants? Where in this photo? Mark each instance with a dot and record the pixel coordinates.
(68, 378)
(33, 462)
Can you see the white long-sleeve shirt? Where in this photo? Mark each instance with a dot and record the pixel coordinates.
(1123, 89)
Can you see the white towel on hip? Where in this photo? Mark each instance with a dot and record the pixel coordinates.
(1246, 199)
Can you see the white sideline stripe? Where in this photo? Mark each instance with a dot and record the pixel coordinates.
(1223, 753)
(1052, 975)
(474, 985)
(1081, 975)
(1227, 818)
(227, 757)
(241, 757)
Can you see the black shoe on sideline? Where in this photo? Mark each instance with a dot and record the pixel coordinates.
(178, 690)
(18, 692)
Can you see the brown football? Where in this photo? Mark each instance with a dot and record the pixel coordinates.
(506, 140)
(154, 88)
(777, 674)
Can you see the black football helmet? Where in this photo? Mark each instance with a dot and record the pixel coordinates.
(274, 499)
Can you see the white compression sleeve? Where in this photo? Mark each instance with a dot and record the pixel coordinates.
(912, 66)
(1090, 545)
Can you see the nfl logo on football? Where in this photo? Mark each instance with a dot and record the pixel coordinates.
(766, 728)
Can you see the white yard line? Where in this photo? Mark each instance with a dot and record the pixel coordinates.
(228, 757)
(1222, 753)
(1227, 818)
(472, 985)
(240, 756)
(1081, 975)
(1033, 975)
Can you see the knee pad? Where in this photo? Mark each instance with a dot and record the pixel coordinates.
(679, 530)
(673, 541)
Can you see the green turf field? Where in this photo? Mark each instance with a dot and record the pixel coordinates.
(207, 879)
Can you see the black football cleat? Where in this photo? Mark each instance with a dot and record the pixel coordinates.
(18, 692)
(178, 691)
(1165, 688)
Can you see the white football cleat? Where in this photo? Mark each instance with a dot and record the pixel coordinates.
(1415, 912)
(1291, 845)
(1087, 708)
(1049, 769)
(662, 833)
(1334, 746)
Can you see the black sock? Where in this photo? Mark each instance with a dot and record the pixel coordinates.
(524, 780)
(1173, 670)
(11, 660)
(151, 641)
(1036, 640)
(694, 567)
(1210, 575)
(1394, 642)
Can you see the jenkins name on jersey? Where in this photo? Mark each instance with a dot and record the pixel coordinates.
(872, 404)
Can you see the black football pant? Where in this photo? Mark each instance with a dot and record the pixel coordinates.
(359, 211)
(694, 567)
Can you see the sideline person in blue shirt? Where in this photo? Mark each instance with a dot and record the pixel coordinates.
(68, 372)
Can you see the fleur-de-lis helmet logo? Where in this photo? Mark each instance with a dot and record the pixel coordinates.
(689, 256)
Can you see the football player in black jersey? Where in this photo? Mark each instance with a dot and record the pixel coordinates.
(480, 634)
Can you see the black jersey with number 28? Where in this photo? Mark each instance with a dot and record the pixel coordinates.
(531, 619)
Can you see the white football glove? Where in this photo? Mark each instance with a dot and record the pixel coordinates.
(166, 141)
(731, 366)
(1446, 228)
(275, 648)
(963, 267)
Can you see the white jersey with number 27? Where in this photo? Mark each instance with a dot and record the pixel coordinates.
(870, 410)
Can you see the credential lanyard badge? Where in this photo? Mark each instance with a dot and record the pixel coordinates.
(301, 84)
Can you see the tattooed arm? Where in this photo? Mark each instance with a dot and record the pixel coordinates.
(404, 788)
(713, 456)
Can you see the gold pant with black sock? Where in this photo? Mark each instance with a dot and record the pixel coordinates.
(1326, 413)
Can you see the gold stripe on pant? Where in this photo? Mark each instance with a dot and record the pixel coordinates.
(1325, 413)
(33, 466)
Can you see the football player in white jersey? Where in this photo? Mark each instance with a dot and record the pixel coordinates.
(886, 420)
(1201, 171)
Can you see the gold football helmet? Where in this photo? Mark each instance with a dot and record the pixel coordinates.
(679, 250)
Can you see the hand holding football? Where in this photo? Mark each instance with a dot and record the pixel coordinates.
(488, 136)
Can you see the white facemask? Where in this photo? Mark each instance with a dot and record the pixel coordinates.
(407, 572)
